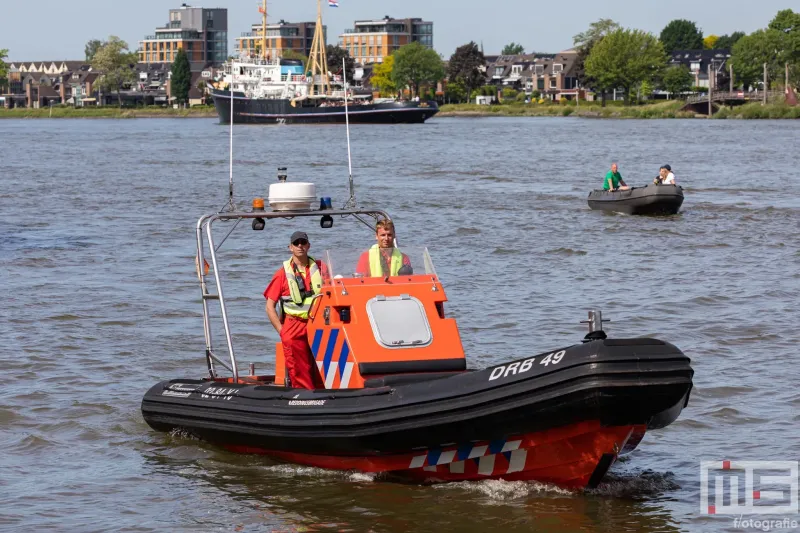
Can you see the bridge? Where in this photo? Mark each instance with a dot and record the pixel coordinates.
(699, 103)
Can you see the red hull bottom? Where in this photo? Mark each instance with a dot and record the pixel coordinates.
(573, 456)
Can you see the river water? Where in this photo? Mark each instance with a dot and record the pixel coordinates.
(100, 302)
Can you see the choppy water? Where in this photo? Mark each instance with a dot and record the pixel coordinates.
(100, 302)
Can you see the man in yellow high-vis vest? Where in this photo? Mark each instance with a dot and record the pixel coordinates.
(383, 259)
(294, 286)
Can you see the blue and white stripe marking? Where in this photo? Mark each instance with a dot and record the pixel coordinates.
(483, 454)
(335, 361)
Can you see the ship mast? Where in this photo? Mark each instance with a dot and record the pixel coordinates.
(317, 60)
(263, 10)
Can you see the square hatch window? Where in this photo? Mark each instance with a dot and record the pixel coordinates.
(399, 321)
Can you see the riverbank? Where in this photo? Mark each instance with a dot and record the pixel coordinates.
(669, 109)
(109, 112)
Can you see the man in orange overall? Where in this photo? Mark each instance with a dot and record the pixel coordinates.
(294, 286)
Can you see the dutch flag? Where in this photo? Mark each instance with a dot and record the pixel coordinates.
(333, 3)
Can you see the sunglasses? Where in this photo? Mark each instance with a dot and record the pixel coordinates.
(300, 242)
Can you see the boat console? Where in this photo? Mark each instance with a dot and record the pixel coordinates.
(365, 327)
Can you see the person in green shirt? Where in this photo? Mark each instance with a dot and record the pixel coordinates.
(614, 181)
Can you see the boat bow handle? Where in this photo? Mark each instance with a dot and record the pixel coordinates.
(311, 308)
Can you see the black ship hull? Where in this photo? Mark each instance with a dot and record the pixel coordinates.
(280, 111)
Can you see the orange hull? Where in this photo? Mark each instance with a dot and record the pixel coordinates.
(573, 456)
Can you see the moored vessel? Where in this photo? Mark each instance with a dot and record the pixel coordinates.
(330, 110)
(267, 90)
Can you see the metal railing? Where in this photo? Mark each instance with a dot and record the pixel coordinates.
(293, 77)
(206, 247)
(719, 96)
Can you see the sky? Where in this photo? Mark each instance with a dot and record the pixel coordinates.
(56, 30)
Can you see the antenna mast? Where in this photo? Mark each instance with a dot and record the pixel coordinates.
(351, 202)
(231, 205)
(318, 60)
(263, 11)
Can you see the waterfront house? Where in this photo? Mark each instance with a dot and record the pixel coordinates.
(506, 71)
(43, 83)
(698, 62)
(551, 75)
(80, 85)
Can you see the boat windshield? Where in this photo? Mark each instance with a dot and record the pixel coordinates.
(374, 262)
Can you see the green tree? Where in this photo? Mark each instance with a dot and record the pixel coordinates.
(597, 30)
(202, 86)
(91, 49)
(382, 76)
(752, 51)
(677, 79)
(512, 49)
(335, 56)
(115, 63)
(786, 21)
(681, 34)
(726, 42)
(645, 90)
(625, 58)
(456, 92)
(415, 65)
(181, 80)
(509, 94)
(3, 67)
(710, 42)
(465, 65)
(584, 42)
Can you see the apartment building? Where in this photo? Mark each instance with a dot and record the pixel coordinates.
(201, 32)
(282, 36)
(372, 40)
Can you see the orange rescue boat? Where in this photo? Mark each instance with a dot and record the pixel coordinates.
(399, 397)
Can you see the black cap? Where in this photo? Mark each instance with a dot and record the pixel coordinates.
(667, 167)
(297, 235)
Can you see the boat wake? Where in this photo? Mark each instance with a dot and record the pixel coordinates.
(180, 433)
(636, 485)
(500, 490)
(290, 470)
(631, 485)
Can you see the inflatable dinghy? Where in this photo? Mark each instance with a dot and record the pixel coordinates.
(649, 200)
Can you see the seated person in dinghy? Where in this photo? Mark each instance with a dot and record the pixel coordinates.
(665, 176)
(384, 259)
(613, 180)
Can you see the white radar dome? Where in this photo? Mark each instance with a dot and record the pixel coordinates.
(286, 196)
